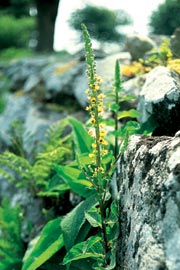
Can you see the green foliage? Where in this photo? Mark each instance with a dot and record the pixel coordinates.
(164, 20)
(81, 163)
(47, 244)
(5, 84)
(81, 139)
(38, 175)
(11, 244)
(105, 29)
(15, 32)
(15, 53)
(157, 57)
(74, 226)
(17, 8)
(91, 248)
(74, 179)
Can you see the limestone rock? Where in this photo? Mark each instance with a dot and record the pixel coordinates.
(16, 108)
(149, 197)
(19, 71)
(160, 99)
(175, 43)
(138, 45)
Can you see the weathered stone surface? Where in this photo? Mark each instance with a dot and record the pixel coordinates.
(160, 99)
(149, 198)
(175, 43)
(17, 108)
(138, 45)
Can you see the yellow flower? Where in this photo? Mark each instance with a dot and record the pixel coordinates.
(100, 109)
(88, 108)
(91, 155)
(92, 120)
(95, 86)
(87, 91)
(169, 54)
(104, 152)
(99, 79)
(102, 125)
(102, 133)
(90, 132)
(102, 141)
(93, 99)
(101, 96)
(93, 145)
(101, 169)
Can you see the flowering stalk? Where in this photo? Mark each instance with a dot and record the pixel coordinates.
(118, 87)
(97, 131)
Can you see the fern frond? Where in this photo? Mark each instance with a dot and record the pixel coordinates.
(16, 164)
(11, 244)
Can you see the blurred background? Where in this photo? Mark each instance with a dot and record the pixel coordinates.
(44, 26)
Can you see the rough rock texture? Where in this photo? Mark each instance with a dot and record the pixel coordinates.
(138, 45)
(149, 195)
(17, 108)
(47, 79)
(175, 43)
(160, 99)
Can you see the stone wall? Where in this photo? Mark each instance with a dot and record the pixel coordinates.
(149, 197)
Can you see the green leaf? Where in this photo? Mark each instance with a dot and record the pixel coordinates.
(93, 217)
(91, 248)
(48, 243)
(130, 113)
(55, 191)
(73, 221)
(131, 127)
(75, 179)
(148, 127)
(81, 137)
(114, 107)
(127, 97)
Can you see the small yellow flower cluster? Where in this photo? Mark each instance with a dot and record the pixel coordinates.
(134, 69)
(174, 65)
(98, 170)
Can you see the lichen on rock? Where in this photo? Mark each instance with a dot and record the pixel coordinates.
(149, 196)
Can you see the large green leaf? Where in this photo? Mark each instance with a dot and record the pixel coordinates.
(73, 221)
(75, 179)
(91, 248)
(130, 113)
(81, 137)
(93, 217)
(48, 243)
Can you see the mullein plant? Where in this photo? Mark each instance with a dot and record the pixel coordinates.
(97, 172)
